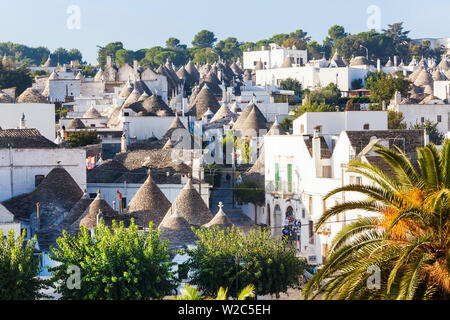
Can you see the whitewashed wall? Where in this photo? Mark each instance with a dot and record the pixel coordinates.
(145, 127)
(27, 163)
(40, 116)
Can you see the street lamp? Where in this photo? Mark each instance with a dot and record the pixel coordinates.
(367, 50)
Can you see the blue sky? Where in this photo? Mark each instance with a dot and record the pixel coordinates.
(146, 23)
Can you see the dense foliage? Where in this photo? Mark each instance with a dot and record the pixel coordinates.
(82, 138)
(383, 86)
(19, 78)
(232, 259)
(117, 263)
(395, 120)
(19, 268)
(191, 293)
(407, 241)
(433, 132)
(205, 47)
(37, 56)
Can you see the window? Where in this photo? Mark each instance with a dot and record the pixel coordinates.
(326, 171)
(92, 195)
(302, 128)
(303, 213)
(254, 63)
(311, 232)
(422, 120)
(38, 179)
(277, 176)
(289, 173)
(439, 118)
(92, 125)
(310, 202)
(366, 126)
(126, 114)
(124, 203)
(355, 180)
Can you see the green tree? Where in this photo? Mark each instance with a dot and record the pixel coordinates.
(409, 239)
(335, 33)
(233, 259)
(399, 38)
(109, 50)
(19, 78)
(328, 95)
(229, 49)
(383, 86)
(204, 39)
(292, 85)
(124, 57)
(251, 192)
(357, 84)
(309, 106)
(19, 268)
(205, 55)
(117, 263)
(82, 138)
(172, 43)
(433, 132)
(88, 71)
(315, 50)
(395, 120)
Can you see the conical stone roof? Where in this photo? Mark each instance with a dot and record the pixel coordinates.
(132, 98)
(126, 90)
(276, 129)
(31, 95)
(98, 76)
(77, 210)
(92, 113)
(205, 100)
(98, 205)
(241, 121)
(444, 65)
(236, 69)
(438, 76)
(176, 229)
(254, 123)
(192, 71)
(220, 220)
(424, 79)
(337, 59)
(155, 105)
(287, 63)
(223, 113)
(182, 74)
(76, 123)
(191, 206)
(149, 204)
(5, 98)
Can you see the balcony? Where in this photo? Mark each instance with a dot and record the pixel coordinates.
(283, 189)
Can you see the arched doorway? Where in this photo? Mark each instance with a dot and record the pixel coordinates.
(289, 212)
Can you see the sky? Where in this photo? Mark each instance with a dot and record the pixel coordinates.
(147, 23)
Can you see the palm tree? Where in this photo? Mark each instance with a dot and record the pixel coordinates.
(191, 293)
(408, 240)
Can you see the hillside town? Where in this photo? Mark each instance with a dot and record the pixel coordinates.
(260, 140)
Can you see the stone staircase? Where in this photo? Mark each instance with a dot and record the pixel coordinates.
(224, 194)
